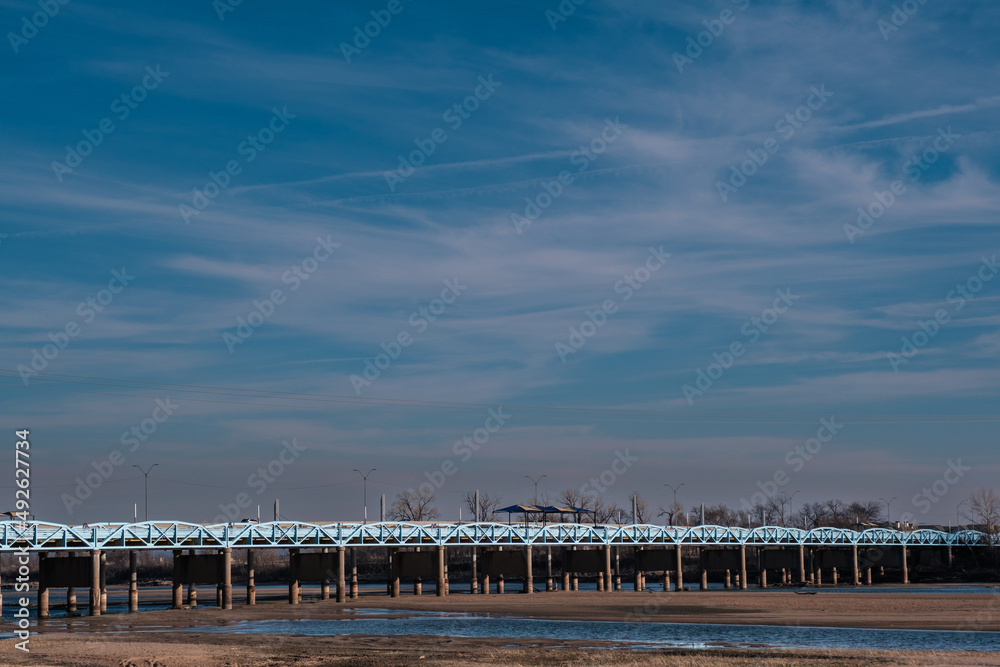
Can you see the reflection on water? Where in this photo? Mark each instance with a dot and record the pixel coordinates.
(635, 635)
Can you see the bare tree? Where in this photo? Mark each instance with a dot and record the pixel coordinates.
(413, 505)
(675, 514)
(865, 511)
(721, 515)
(488, 505)
(984, 510)
(641, 509)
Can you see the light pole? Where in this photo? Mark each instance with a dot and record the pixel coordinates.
(958, 519)
(786, 499)
(364, 484)
(535, 482)
(674, 506)
(145, 474)
(888, 517)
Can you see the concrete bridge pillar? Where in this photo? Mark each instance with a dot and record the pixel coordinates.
(354, 573)
(486, 583)
(393, 573)
(608, 584)
(251, 587)
(474, 582)
(192, 589)
(819, 576)
(95, 583)
(499, 584)
(727, 582)
(227, 578)
(565, 572)
(71, 600)
(763, 578)
(906, 571)
(549, 585)
(855, 573)
(341, 578)
(529, 576)
(43, 591)
(104, 582)
(666, 581)
(293, 576)
(618, 572)
(834, 575)
(133, 581)
(324, 585)
(441, 573)
(679, 568)
(743, 567)
(418, 586)
(178, 589)
(802, 564)
(868, 576)
(704, 580)
(218, 595)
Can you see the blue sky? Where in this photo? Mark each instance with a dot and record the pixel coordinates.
(833, 105)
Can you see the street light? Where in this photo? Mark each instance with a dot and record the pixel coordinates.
(674, 507)
(888, 517)
(145, 474)
(364, 484)
(535, 482)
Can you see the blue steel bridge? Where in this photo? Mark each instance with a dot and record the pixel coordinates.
(42, 536)
(74, 557)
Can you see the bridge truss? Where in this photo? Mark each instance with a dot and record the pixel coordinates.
(42, 536)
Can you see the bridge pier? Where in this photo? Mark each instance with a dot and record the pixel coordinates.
(293, 576)
(499, 584)
(393, 559)
(666, 581)
(802, 564)
(727, 582)
(855, 573)
(906, 572)
(474, 580)
(104, 582)
(251, 588)
(529, 578)
(743, 567)
(565, 572)
(227, 578)
(43, 591)
(133, 581)
(680, 569)
(763, 578)
(341, 577)
(486, 584)
(192, 588)
(95, 583)
(704, 580)
(868, 576)
(819, 576)
(834, 575)
(549, 585)
(178, 591)
(324, 585)
(354, 573)
(607, 569)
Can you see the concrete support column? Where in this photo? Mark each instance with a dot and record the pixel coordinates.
(549, 586)
(441, 575)
(95, 582)
(251, 586)
(704, 580)
(529, 575)
(227, 578)
(906, 571)
(418, 586)
(600, 582)
(727, 582)
(341, 577)
(354, 573)
(834, 576)
(324, 585)
(486, 584)
(393, 573)
(104, 582)
(499, 584)
(192, 589)
(218, 596)
(743, 567)
(802, 564)
(293, 576)
(868, 576)
(855, 573)
(618, 571)
(178, 591)
(784, 577)
(133, 581)
(474, 582)
(607, 569)
(43, 590)
(736, 581)
(666, 581)
(565, 572)
(71, 600)
(680, 569)
(819, 576)
(763, 578)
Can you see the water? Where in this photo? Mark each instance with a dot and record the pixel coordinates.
(632, 635)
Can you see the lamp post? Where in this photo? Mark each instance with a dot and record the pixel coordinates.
(145, 474)
(364, 484)
(535, 482)
(673, 508)
(888, 517)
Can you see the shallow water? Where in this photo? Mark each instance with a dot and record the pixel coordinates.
(633, 635)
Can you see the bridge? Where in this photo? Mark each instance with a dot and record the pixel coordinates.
(73, 557)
